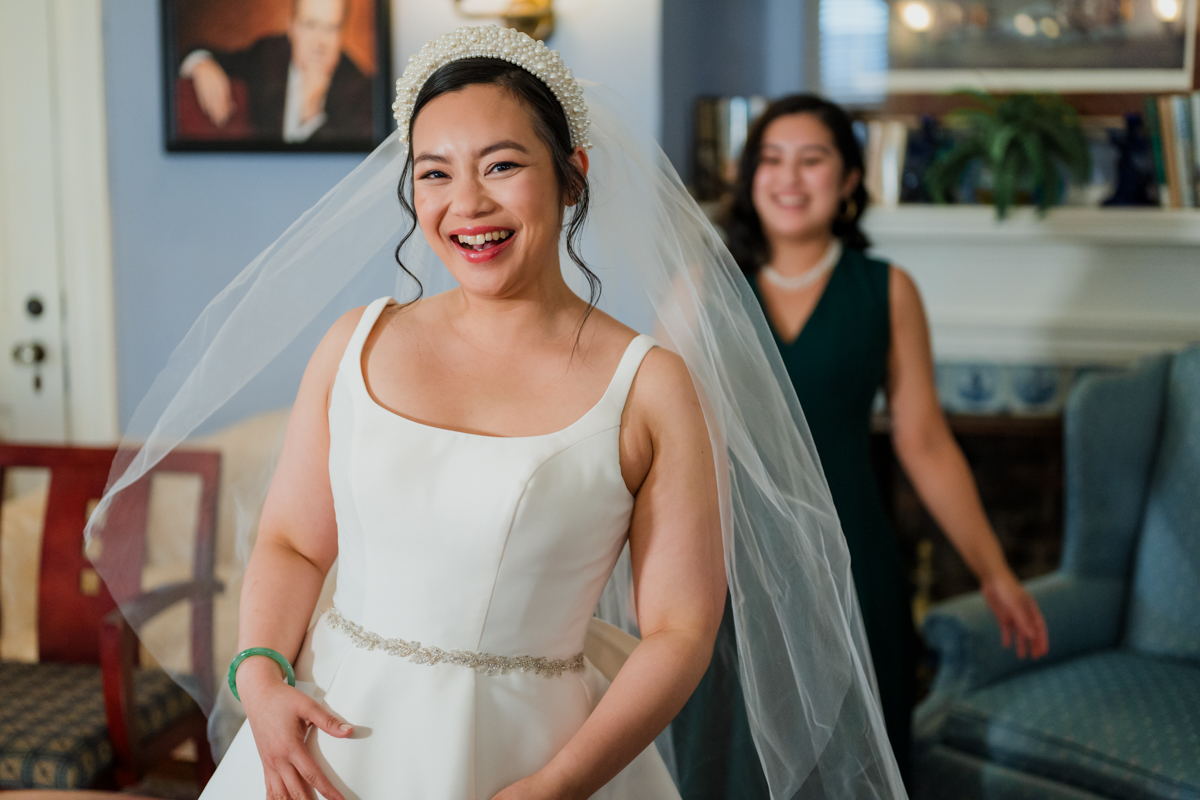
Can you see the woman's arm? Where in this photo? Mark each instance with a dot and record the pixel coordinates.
(296, 546)
(939, 472)
(678, 579)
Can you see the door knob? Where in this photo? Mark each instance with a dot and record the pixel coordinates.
(29, 353)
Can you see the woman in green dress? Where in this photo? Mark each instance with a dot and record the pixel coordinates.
(846, 325)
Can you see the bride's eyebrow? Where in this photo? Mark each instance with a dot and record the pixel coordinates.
(506, 144)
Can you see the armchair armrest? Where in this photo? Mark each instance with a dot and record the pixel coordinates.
(1082, 614)
(118, 657)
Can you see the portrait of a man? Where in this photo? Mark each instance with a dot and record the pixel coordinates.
(275, 74)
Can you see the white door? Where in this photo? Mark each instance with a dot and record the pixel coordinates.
(32, 365)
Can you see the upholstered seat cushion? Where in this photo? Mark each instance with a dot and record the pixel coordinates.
(1117, 723)
(53, 733)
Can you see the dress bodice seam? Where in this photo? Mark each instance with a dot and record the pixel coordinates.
(516, 510)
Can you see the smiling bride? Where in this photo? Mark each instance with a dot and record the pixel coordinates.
(476, 461)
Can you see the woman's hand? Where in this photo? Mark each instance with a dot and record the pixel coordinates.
(279, 717)
(1020, 619)
(213, 91)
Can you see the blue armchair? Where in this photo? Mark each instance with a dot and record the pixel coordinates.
(1114, 710)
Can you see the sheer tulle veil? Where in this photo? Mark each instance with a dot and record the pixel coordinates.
(805, 667)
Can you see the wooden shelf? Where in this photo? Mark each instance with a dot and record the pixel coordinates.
(976, 223)
(989, 425)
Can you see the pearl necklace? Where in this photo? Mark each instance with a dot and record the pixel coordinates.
(794, 283)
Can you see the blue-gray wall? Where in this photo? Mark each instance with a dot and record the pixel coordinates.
(730, 47)
(184, 224)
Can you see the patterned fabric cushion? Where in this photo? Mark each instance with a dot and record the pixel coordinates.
(53, 733)
(1117, 723)
(1164, 598)
(943, 773)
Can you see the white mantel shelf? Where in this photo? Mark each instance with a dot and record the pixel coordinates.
(978, 224)
(1078, 286)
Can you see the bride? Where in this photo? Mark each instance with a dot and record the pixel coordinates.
(503, 438)
(476, 460)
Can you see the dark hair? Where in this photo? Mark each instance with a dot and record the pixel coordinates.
(747, 241)
(550, 124)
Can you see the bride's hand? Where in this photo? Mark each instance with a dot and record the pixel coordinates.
(279, 716)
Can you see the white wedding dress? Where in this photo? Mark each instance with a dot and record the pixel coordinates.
(466, 543)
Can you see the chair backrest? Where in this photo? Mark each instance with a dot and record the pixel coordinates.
(1111, 434)
(1164, 594)
(72, 599)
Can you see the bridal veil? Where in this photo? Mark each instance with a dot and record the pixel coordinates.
(805, 667)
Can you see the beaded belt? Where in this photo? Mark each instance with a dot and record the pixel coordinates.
(486, 663)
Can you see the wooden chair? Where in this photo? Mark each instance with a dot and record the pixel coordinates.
(86, 714)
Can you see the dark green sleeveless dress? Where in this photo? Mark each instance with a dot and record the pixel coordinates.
(837, 363)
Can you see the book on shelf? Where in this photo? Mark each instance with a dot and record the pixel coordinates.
(1154, 131)
(1173, 123)
(887, 143)
(720, 126)
(1166, 131)
(1185, 149)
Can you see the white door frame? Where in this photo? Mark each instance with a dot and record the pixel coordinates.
(89, 334)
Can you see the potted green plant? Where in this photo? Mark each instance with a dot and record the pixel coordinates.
(1022, 139)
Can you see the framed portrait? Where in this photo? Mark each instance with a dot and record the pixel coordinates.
(276, 75)
(1041, 45)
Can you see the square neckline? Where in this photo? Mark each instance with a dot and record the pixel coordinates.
(360, 374)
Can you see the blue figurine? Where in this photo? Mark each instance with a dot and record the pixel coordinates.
(923, 147)
(1136, 185)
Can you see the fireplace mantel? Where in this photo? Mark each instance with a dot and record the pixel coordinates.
(1081, 286)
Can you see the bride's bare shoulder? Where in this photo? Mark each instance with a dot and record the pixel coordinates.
(337, 338)
(663, 386)
(662, 374)
(323, 364)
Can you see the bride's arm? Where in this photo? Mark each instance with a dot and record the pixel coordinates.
(296, 546)
(678, 577)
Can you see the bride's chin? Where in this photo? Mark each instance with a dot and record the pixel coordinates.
(486, 281)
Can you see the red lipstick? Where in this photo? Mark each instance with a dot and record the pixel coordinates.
(493, 248)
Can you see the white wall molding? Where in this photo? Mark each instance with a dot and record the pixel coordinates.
(978, 224)
(89, 331)
(1081, 286)
(1082, 340)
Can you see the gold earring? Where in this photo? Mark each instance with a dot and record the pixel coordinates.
(850, 212)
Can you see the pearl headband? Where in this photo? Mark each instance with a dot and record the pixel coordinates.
(490, 41)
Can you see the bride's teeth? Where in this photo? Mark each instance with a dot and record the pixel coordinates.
(481, 238)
